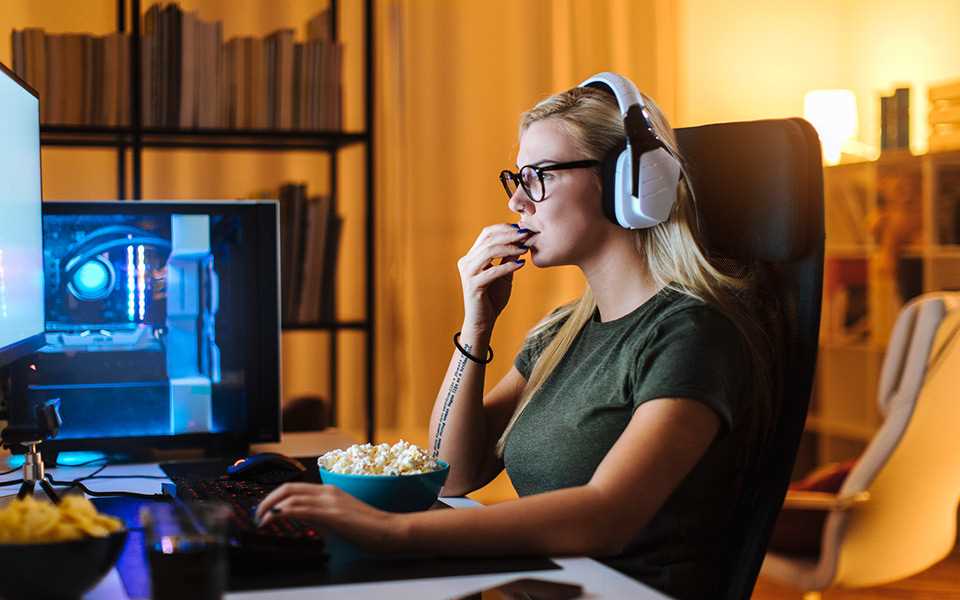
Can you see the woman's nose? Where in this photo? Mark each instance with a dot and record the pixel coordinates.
(519, 202)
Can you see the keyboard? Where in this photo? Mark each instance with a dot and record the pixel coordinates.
(285, 539)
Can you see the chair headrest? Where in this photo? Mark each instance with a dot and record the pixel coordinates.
(755, 183)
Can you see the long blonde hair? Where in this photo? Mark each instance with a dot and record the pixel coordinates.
(673, 250)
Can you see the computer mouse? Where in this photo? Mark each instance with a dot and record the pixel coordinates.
(266, 467)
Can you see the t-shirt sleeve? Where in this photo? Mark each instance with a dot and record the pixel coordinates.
(696, 353)
(533, 346)
(527, 357)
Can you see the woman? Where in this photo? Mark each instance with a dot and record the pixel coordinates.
(628, 413)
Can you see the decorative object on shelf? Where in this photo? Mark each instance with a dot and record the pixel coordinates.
(833, 113)
(944, 116)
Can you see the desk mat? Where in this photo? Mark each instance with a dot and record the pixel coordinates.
(346, 563)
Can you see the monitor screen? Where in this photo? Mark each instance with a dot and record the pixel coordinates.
(21, 272)
(162, 324)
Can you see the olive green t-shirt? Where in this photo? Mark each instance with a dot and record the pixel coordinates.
(672, 346)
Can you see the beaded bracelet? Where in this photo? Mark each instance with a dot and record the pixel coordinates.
(456, 342)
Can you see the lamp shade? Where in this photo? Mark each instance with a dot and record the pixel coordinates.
(833, 113)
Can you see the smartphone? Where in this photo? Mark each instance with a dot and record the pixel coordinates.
(527, 589)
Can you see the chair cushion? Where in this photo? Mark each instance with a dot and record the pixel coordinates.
(799, 532)
(753, 187)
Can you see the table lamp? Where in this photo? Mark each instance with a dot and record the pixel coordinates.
(833, 113)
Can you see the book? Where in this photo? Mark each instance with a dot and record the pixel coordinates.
(330, 255)
(315, 247)
(944, 138)
(902, 116)
(947, 90)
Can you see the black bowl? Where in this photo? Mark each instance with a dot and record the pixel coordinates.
(58, 569)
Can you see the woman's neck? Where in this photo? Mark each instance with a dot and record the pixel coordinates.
(619, 278)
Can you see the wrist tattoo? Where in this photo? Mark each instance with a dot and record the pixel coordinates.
(448, 400)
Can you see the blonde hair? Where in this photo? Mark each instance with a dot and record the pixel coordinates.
(673, 250)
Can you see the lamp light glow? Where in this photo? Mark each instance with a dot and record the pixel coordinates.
(833, 113)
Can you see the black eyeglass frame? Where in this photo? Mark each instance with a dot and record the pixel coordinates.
(517, 179)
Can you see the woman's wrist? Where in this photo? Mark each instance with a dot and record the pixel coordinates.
(475, 334)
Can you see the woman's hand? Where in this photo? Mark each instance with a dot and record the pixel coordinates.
(335, 510)
(486, 286)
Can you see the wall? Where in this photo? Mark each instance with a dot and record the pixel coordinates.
(756, 59)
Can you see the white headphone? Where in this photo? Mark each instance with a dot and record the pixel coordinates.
(639, 178)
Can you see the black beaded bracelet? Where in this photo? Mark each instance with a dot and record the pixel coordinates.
(456, 342)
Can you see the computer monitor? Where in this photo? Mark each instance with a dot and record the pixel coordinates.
(21, 261)
(162, 326)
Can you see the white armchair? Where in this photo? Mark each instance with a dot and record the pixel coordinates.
(896, 513)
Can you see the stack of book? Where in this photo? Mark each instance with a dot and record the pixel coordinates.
(945, 116)
(895, 120)
(190, 77)
(309, 242)
(82, 79)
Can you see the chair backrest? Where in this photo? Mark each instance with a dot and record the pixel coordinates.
(759, 192)
(912, 465)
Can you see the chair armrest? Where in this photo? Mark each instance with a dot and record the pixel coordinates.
(823, 500)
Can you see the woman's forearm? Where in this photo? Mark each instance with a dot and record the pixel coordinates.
(457, 425)
(572, 521)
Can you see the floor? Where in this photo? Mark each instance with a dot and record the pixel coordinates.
(940, 582)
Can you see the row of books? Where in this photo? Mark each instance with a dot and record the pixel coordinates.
(310, 232)
(82, 79)
(190, 77)
(944, 116)
(895, 120)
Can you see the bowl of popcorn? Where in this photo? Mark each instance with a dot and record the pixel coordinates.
(397, 478)
(55, 550)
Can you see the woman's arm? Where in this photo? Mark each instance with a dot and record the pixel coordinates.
(463, 427)
(459, 432)
(663, 441)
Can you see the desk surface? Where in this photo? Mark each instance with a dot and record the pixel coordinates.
(598, 580)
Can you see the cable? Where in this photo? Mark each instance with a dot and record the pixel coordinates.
(10, 472)
(164, 477)
(92, 475)
(83, 464)
(89, 492)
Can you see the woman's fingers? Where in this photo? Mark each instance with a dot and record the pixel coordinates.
(300, 506)
(501, 233)
(486, 277)
(481, 259)
(282, 493)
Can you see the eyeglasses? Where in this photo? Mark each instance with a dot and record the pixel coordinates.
(531, 178)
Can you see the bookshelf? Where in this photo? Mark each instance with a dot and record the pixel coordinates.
(130, 140)
(893, 233)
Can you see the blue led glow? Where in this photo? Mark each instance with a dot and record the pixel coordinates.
(16, 461)
(69, 459)
(92, 278)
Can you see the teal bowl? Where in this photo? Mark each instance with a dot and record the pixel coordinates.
(392, 493)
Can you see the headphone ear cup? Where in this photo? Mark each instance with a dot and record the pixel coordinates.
(609, 183)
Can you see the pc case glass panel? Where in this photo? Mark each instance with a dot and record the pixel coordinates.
(140, 339)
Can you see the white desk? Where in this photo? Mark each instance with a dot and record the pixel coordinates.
(598, 580)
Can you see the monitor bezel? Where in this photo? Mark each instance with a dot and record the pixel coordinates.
(13, 352)
(264, 416)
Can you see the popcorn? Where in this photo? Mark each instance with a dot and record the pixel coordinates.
(403, 458)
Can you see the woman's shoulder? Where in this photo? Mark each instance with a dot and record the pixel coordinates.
(685, 311)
